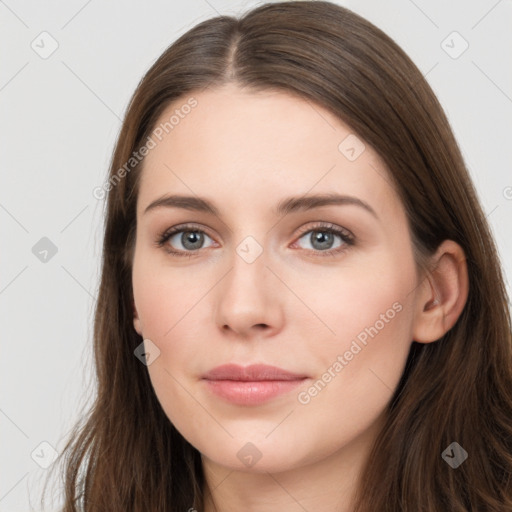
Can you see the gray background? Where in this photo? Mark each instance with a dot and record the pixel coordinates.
(60, 116)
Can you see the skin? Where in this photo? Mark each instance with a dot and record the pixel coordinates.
(292, 307)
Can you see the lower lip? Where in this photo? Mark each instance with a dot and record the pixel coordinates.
(253, 392)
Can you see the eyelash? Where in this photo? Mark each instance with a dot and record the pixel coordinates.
(321, 227)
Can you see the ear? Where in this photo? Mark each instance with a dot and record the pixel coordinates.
(137, 324)
(442, 295)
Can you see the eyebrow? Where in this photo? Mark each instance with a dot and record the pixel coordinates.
(284, 207)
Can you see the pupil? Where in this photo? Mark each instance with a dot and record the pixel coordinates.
(325, 239)
(191, 238)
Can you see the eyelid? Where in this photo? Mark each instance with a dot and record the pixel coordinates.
(319, 225)
(187, 226)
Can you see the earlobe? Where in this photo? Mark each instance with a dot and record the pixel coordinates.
(136, 320)
(444, 293)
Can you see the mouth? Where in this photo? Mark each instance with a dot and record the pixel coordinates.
(251, 385)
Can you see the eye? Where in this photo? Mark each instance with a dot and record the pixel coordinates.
(322, 239)
(189, 237)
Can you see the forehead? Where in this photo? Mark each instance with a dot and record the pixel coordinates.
(258, 145)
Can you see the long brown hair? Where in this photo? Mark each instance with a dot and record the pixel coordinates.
(125, 454)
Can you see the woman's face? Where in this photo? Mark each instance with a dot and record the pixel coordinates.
(264, 281)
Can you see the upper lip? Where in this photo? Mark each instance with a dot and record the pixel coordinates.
(251, 373)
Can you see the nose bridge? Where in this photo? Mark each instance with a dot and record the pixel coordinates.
(249, 274)
(248, 295)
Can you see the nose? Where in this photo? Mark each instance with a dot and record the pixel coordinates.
(249, 299)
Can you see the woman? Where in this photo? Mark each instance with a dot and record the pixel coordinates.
(301, 305)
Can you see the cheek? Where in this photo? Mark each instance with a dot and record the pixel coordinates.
(372, 292)
(174, 315)
(166, 305)
(162, 297)
(369, 312)
(373, 321)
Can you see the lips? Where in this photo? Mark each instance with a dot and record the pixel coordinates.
(251, 385)
(252, 373)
